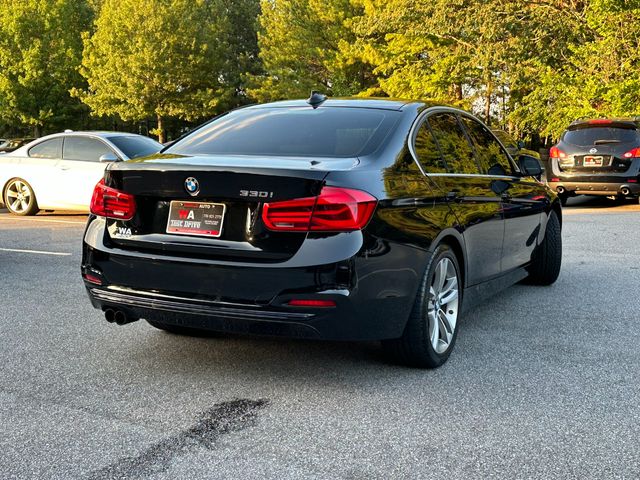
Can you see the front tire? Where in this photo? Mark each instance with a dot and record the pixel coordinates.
(19, 198)
(431, 331)
(547, 259)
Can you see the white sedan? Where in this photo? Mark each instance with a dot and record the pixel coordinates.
(59, 172)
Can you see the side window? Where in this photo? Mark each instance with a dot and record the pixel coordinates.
(492, 158)
(47, 149)
(455, 148)
(84, 148)
(428, 151)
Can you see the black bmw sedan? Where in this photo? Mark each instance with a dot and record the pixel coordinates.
(343, 219)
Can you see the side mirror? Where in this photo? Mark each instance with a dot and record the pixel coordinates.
(520, 144)
(530, 166)
(109, 157)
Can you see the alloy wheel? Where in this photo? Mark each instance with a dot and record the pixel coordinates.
(442, 310)
(18, 196)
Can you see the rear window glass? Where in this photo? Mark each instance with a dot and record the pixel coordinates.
(589, 136)
(47, 149)
(304, 132)
(134, 147)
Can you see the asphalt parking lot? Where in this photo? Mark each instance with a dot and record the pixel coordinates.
(543, 383)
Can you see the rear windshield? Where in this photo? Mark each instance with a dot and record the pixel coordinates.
(589, 136)
(135, 146)
(304, 132)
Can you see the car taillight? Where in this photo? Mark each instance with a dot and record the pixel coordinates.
(334, 210)
(632, 153)
(555, 152)
(111, 203)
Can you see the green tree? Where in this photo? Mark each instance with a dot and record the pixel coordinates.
(40, 51)
(597, 74)
(455, 52)
(300, 48)
(166, 58)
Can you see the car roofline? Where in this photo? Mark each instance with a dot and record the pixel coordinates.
(604, 122)
(374, 103)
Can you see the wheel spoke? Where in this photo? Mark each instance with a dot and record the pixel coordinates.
(434, 333)
(12, 194)
(445, 332)
(450, 294)
(440, 277)
(24, 205)
(15, 206)
(449, 321)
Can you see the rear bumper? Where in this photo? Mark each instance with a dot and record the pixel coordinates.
(613, 187)
(203, 314)
(370, 303)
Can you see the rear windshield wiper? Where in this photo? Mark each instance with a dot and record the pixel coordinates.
(605, 142)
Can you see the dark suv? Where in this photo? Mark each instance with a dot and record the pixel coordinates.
(346, 219)
(597, 157)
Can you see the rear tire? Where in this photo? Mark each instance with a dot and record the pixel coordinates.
(19, 198)
(179, 330)
(431, 331)
(547, 259)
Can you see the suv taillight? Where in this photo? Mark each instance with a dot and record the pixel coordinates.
(111, 203)
(632, 153)
(555, 152)
(334, 210)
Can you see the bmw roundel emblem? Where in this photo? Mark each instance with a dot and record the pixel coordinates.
(192, 186)
(593, 150)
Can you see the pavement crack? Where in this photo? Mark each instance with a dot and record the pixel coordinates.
(222, 418)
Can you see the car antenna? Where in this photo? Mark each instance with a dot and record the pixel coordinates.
(316, 99)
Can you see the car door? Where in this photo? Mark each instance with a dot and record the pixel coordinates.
(523, 198)
(82, 167)
(40, 169)
(447, 157)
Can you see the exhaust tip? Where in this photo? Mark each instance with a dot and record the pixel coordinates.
(625, 191)
(560, 190)
(110, 315)
(120, 317)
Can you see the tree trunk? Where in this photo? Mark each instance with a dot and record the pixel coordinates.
(487, 108)
(37, 131)
(458, 90)
(160, 129)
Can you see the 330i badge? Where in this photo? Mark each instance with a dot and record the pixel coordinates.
(352, 219)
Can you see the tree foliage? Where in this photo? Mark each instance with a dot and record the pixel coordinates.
(40, 51)
(532, 65)
(300, 47)
(597, 75)
(167, 58)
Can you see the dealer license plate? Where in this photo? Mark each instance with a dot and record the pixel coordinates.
(196, 218)
(592, 162)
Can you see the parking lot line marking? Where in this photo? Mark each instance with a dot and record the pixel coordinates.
(40, 252)
(41, 220)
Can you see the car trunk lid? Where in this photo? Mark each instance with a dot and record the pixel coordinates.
(235, 188)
